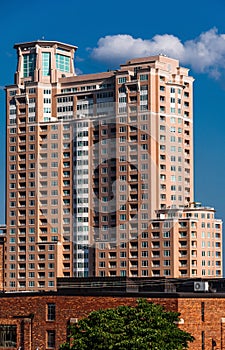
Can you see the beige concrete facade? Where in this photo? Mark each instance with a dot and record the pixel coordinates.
(93, 163)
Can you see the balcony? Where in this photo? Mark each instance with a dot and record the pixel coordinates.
(155, 254)
(43, 223)
(22, 167)
(133, 158)
(133, 139)
(133, 128)
(133, 148)
(183, 224)
(133, 226)
(22, 249)
(22, 266)
(183, 244)
(66, 257)
(183, 273)
(22, 186)
(182, 253)
(134, 264)
(134, 254)
(133, 207)
(133, 246)
(41, 266)
(134, 273)
(133, 235)
(112, 255)
(134, 178)
(66, 266)
(22, 120)
(22, 222)
(66, 248)
(183, 263)
(194, 253)
(22, 258)
(155, 245)
(156, 263)
(155, 235)
(112, 265)
(41, 257)
(155, 225)
(134, 189)
(156, 273)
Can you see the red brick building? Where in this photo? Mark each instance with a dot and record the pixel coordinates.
(40, 320)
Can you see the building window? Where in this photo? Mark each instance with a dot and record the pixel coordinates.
(51, 312)
(46, 63)
(122, 80)
(122, 273)
(7, 336)
(62, 63)
(29, 62)
(143, 77)
(144, 272)
(51, 283)
(50, 339)
(167, 273)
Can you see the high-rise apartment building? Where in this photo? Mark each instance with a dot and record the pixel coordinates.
(100, 172)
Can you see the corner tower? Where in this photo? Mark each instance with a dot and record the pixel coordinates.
(44, 61)
(39, 170)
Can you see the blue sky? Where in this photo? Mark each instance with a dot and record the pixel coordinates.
(192, 31)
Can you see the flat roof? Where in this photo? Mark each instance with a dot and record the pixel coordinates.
(44, 42)
(125, 287)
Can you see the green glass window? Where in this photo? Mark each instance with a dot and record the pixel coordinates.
(143, 77)
(63, 63)
(122, 80)
(29, 62)
(45, 64)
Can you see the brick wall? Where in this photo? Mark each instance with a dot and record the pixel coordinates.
(29, 313)
(1, 264)
(212, 322)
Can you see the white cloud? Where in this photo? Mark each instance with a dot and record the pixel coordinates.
(205, 53)
(78, 71)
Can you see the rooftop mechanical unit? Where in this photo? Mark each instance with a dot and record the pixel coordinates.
(201, 286)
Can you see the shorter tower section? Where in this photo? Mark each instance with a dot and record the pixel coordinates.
(179, 243)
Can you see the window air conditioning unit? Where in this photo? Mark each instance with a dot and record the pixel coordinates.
(201, 286)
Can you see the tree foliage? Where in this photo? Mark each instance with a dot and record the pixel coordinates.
(144, 327)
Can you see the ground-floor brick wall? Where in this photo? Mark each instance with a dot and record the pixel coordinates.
(204, 315)
(1, 264)
(29, 313)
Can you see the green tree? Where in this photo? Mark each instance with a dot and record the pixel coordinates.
(144, 327)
